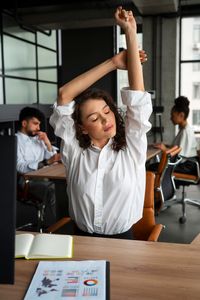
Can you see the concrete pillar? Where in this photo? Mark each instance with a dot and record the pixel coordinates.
(160, 72)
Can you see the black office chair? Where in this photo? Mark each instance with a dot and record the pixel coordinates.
(165, 189)
(25, 196)
(185, 180)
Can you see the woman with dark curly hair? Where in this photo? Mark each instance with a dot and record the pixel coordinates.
(185, 138)
(119, 140)
(104, 155)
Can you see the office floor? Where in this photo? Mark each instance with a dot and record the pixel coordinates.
(175, 232)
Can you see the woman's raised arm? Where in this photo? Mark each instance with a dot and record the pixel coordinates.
(126, 21)
(130, 59)
(80, 83)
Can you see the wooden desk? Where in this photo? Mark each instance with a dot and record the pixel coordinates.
(196, 241)
(55, 171)
(139, 270)
(152, 152)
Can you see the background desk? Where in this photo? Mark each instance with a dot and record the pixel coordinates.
(139, 270)
(55, 172)
(152, 152)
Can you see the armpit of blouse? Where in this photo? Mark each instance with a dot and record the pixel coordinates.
(106, 188)
(187, 141)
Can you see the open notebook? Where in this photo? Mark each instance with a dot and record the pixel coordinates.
(43, 246)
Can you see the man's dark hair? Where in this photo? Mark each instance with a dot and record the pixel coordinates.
(28, 113)
(119, 140)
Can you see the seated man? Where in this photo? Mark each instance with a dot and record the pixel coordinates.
(34, 151)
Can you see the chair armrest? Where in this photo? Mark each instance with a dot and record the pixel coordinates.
(187, 176)
(59, 224)
(155, 233)
(23, 189)
(179, 159)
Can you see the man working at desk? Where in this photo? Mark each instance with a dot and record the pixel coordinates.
(35, 151)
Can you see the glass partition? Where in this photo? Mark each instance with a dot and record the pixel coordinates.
(47, 65)
(48, 40)
(30, 63)
(20, 91)
(47, 93)
(19, 58)
(1, 91)
(10, 26)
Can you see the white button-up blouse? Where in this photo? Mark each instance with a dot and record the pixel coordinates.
(106, 187)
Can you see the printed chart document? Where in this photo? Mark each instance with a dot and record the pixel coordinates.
(77, 280)
(43, 246)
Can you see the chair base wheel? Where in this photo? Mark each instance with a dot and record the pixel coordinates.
(182, 220)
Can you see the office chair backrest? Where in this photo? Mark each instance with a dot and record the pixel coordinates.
(164, 182)
(146, 228)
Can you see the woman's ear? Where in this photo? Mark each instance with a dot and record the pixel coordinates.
(182, 115)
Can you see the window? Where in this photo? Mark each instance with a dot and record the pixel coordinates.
(196, 67)
(196, 117)
(29, 60)
(190, 67)
(196, 33)
(196, 90)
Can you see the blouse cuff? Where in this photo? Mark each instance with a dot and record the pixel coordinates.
(131, 97)
(66, 109)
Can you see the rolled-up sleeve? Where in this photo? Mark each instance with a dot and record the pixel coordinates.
(49, 154)
(62, 122)
(139, 109)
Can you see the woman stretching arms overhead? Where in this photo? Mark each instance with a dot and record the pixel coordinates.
(105, 158)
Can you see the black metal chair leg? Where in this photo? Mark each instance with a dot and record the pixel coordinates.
(183, 219)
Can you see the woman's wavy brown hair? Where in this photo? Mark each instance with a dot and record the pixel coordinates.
(119, 140)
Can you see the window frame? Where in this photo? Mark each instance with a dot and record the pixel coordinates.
(187, 61)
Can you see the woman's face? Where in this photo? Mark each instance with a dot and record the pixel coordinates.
(177, 117)
(98, 121)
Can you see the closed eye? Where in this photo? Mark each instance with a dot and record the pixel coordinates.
(107, 111)
(94, 120)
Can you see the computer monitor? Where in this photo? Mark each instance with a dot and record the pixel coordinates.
(8, 153)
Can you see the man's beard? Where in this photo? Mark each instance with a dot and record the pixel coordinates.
(31, 133)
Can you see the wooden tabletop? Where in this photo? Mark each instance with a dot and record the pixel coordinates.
(152, 151)
(139, 270)
(57, 170)
(196, 241)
